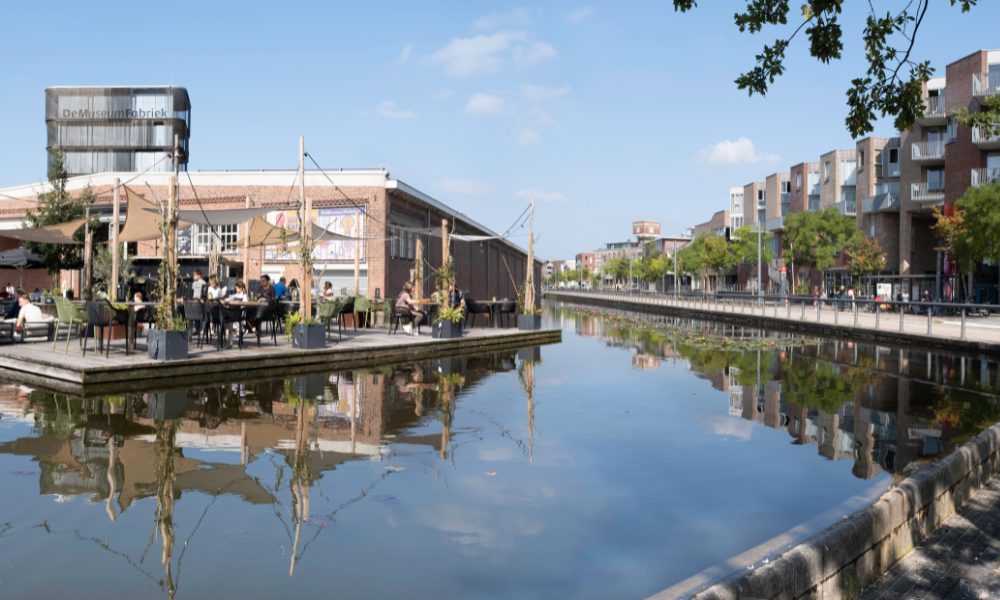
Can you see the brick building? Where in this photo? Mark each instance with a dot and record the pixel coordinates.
(390, 214)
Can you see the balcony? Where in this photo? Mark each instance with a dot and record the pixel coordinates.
(921, 192)
(934, 112)
(985, 176)
(984, 141)
(986, 85)
(775, 224)
(928, 152)
(886, 199)
(848, 208)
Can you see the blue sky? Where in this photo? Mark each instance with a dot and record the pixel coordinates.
(606, 112)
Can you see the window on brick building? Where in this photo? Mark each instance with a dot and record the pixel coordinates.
(826, 170)
(861, 160)
(893, 162)
(798, 181)
(935, 179)
(228, 235)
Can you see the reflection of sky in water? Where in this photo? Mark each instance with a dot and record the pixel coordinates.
(629, 480)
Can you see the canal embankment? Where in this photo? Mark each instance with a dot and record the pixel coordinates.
(976, 336)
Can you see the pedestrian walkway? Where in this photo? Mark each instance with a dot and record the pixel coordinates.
(959, 561)
(971, 332)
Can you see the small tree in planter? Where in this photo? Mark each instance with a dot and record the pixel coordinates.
(169, 340)
(448, 324)
(529, 317)
(306, 334)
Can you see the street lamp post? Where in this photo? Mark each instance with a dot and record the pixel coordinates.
(676, 279)
(759, 281)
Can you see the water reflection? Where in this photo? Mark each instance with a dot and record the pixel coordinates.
(885, 409)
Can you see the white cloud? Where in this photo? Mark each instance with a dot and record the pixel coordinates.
(527, 137)
(542, 93)
(735, 152)
(580, 14)
(388, 110)
(487, 54)
(526, 55)
(463, 187)
(405, 53)
(484, 104)
(519, 17)
(544, 197)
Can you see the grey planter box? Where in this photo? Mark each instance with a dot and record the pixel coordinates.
(448, 366)
(166, 405)
(308, 337)
(310, 387)
(446, 330)
(529, 322)
(167, 345)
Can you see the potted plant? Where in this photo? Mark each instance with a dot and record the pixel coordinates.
(305, 333)
(448, 324)
(168, 344)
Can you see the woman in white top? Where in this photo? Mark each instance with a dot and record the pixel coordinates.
(215, 291)
(239, 294)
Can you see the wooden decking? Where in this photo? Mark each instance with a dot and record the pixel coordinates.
(35, 363)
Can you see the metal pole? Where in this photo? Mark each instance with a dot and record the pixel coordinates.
(676, 280)
(759, 265)
(963, 323)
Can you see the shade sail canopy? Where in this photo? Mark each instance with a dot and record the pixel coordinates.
(142, 221)
(50, 234)
(263, 233)
(231, 216)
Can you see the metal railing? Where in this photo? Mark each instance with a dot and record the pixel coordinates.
(979, 136)
(934, 107)
(868, 313)
(933, 150)
(922, 192)
(986, 85)
(985, 176)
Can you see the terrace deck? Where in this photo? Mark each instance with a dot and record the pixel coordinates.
(35, 363)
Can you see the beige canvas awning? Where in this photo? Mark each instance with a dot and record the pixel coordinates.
(229, 216)
(263, 233)
(142, 219)
(50, 234)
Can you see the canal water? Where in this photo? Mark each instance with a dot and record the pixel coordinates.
(635, 454)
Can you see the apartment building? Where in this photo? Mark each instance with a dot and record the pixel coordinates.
(804, 188)
(754, 203)
(838, 181)
(715, 226)
(878, 189)
(735, 208)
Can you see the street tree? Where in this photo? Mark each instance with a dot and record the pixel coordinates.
(745, 246)
(815, 238)
(865, 255)
(704, 255)
(54, 207)
(892, 82)
(951, 233)
(981, 237)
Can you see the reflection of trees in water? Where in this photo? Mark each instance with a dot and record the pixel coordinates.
(166, 433)
(964, 413)
(821, 385)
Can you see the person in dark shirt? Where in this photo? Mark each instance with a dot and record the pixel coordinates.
(266, 289)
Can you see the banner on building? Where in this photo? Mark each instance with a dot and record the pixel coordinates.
(348, 222)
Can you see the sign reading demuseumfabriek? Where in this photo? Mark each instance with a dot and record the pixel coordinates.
(125, 113)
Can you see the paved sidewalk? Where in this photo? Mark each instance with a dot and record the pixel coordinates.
(959, 561)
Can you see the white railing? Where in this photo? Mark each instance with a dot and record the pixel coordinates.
(848, 208)
(979, 136)
(986, 85)
(985, 176)
(922, 192)
(934, 106)
(928, 150)
(886, 202)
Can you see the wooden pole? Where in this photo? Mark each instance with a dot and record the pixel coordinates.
(357, 266)
(169, 274)
(115, 246)
(305, 245)
(246, 245)
(444, 258)
(418, 268)
(88, 258)
(529, 279)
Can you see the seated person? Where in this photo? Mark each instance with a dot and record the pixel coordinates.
(406, 305)
(456, 299)
(198, 285)
(280, 288)
(29, 313)
(215, 291)
(239, 293)
(328, 291)
(12, 309)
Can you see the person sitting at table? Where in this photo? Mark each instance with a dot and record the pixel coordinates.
(215, 291)
(280, 289)
(239, 293)
(406, 305)
(266, 289)
(328, 291)
(293, 289)
(198, 285)
(28, 313)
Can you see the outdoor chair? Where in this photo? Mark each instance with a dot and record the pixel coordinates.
(263, 315)
(6, 332)
(473, 309)
(197, 320)
(505, 309)
(69, 315)
(347, 308)
(100, 317)
(396, 316)
(326, 312)
(362, 306)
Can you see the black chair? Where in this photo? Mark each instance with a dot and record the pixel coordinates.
(265, 314)
(396, 316)
(473, 309)
(197, 319)
(506, 309)
(346, 310)
(100, 317)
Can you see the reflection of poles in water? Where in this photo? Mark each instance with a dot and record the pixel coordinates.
(166, 432)
(354, 412)
(244, 446)
(446, 394)
(112, 478)
(300, 483)
(527, 376)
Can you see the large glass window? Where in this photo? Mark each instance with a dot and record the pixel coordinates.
(229, 235)
(893, 162)
(798, 181)
(935, 179)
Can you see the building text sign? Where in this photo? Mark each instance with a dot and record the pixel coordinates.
(125, 113)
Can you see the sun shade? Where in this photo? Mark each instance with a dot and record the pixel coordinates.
(50, 234)
(229, 216)
(142, 221)
(263, 233)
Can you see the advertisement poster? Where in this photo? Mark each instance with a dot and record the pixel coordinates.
(344, 221)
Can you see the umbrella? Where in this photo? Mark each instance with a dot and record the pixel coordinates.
(20, 259)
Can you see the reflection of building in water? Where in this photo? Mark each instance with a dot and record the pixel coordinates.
(642, 362)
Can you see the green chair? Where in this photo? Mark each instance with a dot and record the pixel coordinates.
(69, 314)
(326, 313)
(362, 306)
